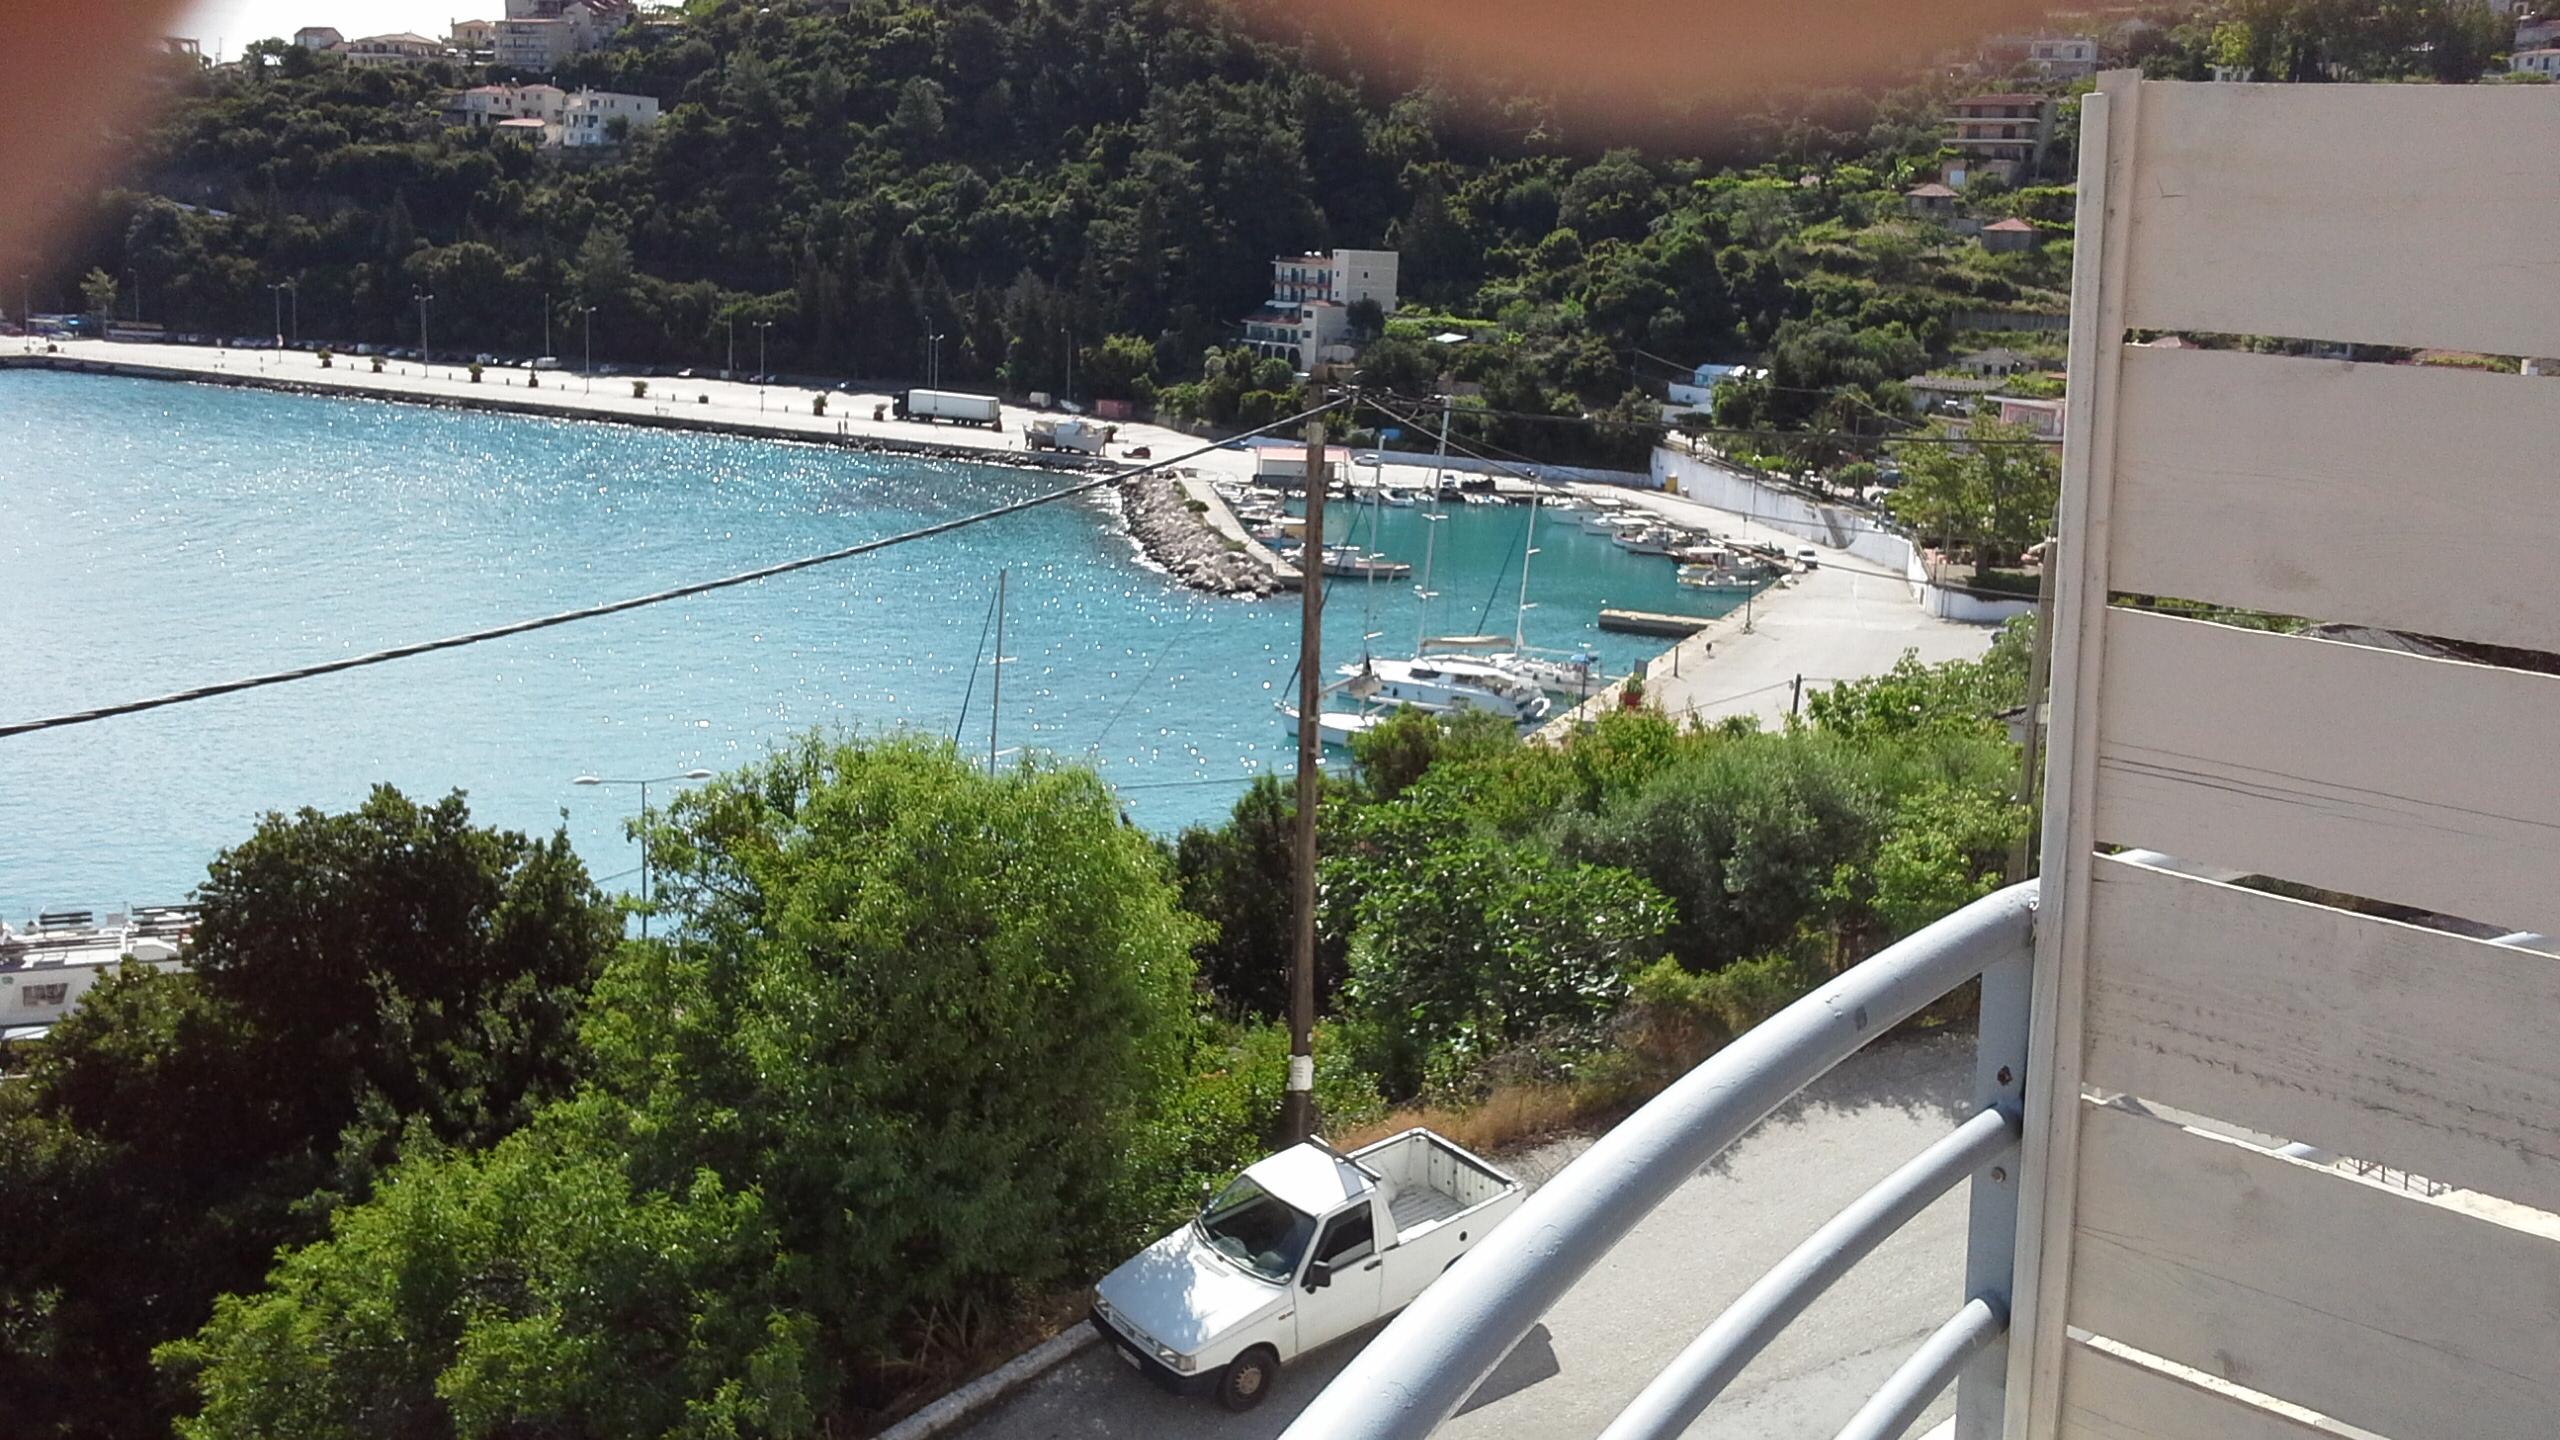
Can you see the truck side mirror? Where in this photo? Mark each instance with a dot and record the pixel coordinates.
(1319, 1274)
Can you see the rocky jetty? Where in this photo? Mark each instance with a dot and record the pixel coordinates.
(1181, 540)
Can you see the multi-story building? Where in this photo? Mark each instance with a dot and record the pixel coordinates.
(402, 48)
(538, 35)
(1308, 319)
(473, 37)
(2000, 135)
(318, 37)
(484, 107)
(588, 118)
(2064, 57)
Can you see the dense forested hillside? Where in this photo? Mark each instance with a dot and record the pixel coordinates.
(1009, 175)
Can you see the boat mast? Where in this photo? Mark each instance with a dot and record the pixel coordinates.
(1431, 533)
(1520, 620)
(995, 696)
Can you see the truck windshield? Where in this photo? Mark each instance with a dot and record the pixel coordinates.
(1247, 1225)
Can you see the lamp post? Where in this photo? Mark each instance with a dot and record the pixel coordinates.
(643, 784)
(546, 325)
(1069, 394)
(280, 287)
(933, 361)
(764, 332)
(276, 293)
(133, 277)
(731, 369)
(587, 319)
(426, 355)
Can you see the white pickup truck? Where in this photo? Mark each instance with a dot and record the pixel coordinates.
(1303, 1248)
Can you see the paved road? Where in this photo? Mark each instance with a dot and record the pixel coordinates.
(1635, 1311)
(1847, 619)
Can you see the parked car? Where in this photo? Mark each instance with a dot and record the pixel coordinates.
(1809, 559)
(1303, 1248)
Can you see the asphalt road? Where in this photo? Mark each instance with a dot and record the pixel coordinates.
(1630, 1315)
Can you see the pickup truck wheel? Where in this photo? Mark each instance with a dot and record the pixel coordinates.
(1248, 1379)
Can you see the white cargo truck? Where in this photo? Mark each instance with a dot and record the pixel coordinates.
(1082, 437)
(1303, 1248)
(952, 405)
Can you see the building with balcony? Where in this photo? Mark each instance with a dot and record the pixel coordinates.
(539, 35)
(604, 117)
(1308, 319)
(2001, 135)
(2071, 57)
(401, 48)
(485, 107)
(473, 37)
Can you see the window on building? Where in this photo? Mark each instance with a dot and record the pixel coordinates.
(35, 996)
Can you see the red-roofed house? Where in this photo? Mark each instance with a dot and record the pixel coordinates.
(2003, 236)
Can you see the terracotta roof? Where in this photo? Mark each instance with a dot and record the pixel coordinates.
(2012, 226)
(1931, 191)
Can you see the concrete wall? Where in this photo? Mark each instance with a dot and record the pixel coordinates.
(1845, 527)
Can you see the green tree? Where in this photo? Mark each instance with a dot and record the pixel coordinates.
(1122, 367)
(902, 1062)
(1994, 490)
(1240, 876)
(1471, 946)
(393, 974)
(98, 292)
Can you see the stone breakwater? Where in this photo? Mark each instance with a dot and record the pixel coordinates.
(1180, 539)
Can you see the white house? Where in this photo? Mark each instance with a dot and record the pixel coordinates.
(589, 116)
(45, 971)
(402, 48)
(537, 35)
(486, 107)
(2535, 62)
(2063, 57)
(318, 37)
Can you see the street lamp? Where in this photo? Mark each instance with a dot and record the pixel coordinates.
(1068, 395)
(764, 329)
(587, 319)
(933, 362)
(643, 784)
(426, 356)
(277, 290)
(730, 371)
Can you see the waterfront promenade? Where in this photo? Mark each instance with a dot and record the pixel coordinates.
(1843, 621)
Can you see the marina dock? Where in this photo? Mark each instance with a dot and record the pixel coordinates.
(1654, 622)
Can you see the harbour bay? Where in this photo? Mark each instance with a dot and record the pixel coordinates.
(155, 536)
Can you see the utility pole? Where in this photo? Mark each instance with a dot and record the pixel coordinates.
(764, 331)
(587, 321)
(1298, 1101)
(2039, 675)
(1069, 394)
(426, 356)
(995, 694)
(546, 324)
(732, 368)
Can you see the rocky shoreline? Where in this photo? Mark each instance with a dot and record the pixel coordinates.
(1180, 539)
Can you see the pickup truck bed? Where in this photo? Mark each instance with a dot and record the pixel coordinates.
(1414, 1209)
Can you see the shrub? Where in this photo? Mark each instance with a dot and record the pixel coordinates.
(639, 389)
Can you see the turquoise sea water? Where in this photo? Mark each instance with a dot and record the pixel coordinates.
(155, 536)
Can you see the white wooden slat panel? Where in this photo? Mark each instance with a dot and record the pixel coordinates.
(2364, 1037)
(2366, 1304)
(2396, 777)
(2406, 496)
(2108, 1397)
(2393, 215)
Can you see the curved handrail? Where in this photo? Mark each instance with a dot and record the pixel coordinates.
(1931, 1369)
(1692, 1382)
(1421, 1368)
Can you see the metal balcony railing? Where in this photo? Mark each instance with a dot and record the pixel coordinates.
(1424, 1366)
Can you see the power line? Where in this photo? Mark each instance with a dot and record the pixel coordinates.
(615, 607)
